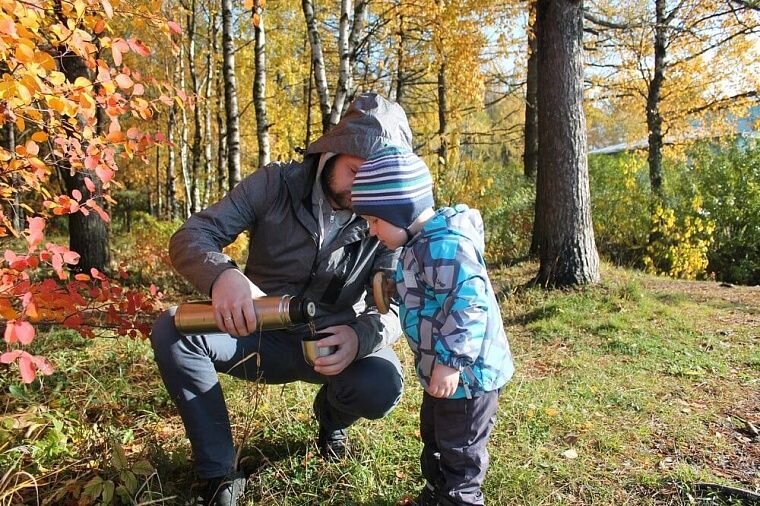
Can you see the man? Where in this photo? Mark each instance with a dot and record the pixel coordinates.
(304, 240)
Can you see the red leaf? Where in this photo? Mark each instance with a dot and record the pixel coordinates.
(43, 366)
(10, 356)
(76, 194)
(26, 366)
(10, 332)
(104, 173)
(174, 27)
(24, 332)
(71, 257)
(97, 274)
(138, 47)
(36, 235)
(90, 185)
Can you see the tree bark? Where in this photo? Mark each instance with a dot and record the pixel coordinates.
(88, 235)
(400, 77)
(184, 144)
(654, 118)
(195, 160)
(171, 191)
(568, 254)
(443, 146)
(8, 141)
(260, 87)
(207, 112)
(318, 63)
(530, 151)
(221, 124)
(230, 96)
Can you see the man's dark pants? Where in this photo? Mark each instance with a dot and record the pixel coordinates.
(455, 434)
(368, 388)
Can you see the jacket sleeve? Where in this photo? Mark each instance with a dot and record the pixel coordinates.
(196, 247)
(460, 288)
(374, 330)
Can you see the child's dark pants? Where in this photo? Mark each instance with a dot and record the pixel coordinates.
(455, 433)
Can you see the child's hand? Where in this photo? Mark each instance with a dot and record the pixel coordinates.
(444, 381)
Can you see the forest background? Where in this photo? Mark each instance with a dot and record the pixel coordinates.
(120, 119)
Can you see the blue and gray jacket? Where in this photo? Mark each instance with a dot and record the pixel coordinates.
(449, 312)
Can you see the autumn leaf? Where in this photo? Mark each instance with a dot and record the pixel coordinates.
(36, 232)
(174, 27)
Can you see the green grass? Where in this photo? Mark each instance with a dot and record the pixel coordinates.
(642, 377)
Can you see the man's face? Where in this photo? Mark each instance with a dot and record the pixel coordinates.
(339, 179)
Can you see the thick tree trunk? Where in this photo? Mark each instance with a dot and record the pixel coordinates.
(195, 161)
(88, 235)
(260, 87)
(530, 151)
(230, 96)
(318, 63)
(567, 249)
(654, 118)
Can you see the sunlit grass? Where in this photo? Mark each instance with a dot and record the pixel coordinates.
(624, 394)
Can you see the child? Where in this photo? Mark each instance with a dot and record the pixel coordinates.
(450, 316)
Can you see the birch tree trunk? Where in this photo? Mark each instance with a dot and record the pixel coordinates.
(207, 132)
(184, 144)
(318, 63)
(171, 191)
(195, 162)
(344, 68)
(230, 96)
(260, 87)
(568, 253)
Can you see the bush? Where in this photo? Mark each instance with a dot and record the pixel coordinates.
(620, 206)
(728, 178)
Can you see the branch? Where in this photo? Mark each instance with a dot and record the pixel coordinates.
(748, 4)
(609, 24)
(716, 103)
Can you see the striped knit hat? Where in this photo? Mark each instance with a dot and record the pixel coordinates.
(395, 185)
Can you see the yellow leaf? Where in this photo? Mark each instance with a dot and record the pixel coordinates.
(23, 93)
(551, 411)
(57, 78)
(24, 53)
(39, 136)
(248, 5)
(20, 123)
(82, 82)
(44, 60)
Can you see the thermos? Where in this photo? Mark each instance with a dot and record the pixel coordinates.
(272, 312)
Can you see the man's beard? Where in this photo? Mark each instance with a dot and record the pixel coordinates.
(342, 199)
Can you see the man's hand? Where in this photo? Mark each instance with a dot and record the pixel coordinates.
(345, 338)
(232, 297)
(444, 381)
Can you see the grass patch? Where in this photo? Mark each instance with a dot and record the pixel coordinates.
(645, 380)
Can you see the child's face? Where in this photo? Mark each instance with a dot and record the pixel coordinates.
(390, 235)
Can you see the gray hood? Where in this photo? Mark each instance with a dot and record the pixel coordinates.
(370, 123)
